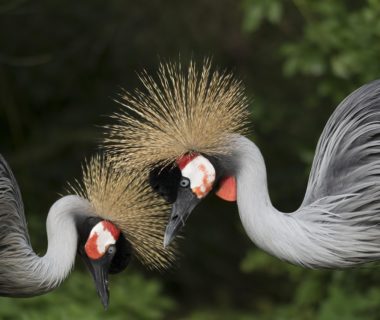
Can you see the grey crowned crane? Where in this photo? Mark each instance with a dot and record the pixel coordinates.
(192, 139)
(109, 217)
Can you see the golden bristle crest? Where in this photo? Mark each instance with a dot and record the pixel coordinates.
(127, 201)
(192, 110)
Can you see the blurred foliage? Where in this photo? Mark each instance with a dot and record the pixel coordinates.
(61, 63)
(339, 39)
(132, 298)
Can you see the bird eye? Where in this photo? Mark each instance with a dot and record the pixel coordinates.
(111, 250)
(184, 183)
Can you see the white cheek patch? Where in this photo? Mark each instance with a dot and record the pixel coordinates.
(104, 240)
(201, 174)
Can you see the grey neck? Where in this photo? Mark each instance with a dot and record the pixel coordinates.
(304, 237)
(30, 275)
(261, 221)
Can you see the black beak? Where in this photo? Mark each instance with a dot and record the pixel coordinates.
(182, 207)
(99, 270)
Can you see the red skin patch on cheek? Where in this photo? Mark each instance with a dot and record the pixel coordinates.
(91, 247)
(112, 229)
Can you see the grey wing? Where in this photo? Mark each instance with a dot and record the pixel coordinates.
(15, 249)
(12, 217)
(19, 266)
(347, 158)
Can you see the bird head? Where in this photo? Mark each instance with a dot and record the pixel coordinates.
(191, 179)
(104, 250)
(128, 220)
(180, 127)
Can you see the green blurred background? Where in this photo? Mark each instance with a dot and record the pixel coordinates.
(62, 63)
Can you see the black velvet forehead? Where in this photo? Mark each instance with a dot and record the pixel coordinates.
(165, 181)
(85, 226)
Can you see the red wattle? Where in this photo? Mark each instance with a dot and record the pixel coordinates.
(227, 190)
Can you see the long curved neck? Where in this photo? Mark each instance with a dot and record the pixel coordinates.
(62, 237)
(31, 274)
(283, 235)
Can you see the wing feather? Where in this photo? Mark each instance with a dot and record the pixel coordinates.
(347, 159)
(16, 255)
(12, 215)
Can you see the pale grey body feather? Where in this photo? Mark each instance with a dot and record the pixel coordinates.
(22, 271)
(338, 223)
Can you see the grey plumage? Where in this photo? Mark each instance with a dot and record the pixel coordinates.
(345, 177)
(22, 272)
(347, 158)
(338, 223)
(14, 238)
